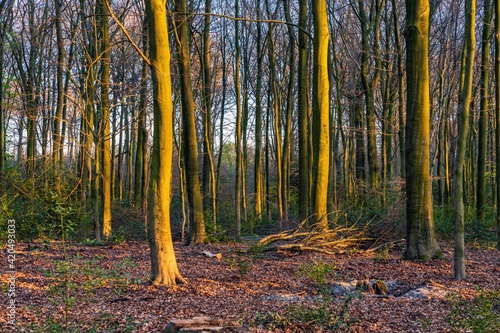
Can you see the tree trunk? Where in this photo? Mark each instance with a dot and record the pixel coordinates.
(209, 185)
(483, 113)
(258, 123)
(197, 227)
(463, 128)
(56, 136)
(303, 112)
(105, 123)
(497, 114)
(321, 113)
(401, 89)
(421, 241)
(239, 157)
(164, 270)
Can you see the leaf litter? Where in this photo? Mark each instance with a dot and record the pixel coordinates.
(105, 289)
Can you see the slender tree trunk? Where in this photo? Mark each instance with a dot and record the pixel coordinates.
(197, 222)
(483, 113)
(105, 123)
(258, 123)
(285, 165)
(56, 136)
(276, 110)
(303, 112)
(164, 270)
(401, 88)
(239, 157)
(463, 128)
(209, 185)
(321, 114)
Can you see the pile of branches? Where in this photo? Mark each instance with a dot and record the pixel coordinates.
(337, 240)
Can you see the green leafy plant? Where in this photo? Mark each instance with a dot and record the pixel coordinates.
(319, 272)
(382, 255)
(480, 315)
(311, 318)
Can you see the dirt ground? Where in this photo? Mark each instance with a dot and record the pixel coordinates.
(105, 289)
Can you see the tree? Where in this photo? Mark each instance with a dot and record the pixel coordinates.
(497, 113)
(321, 113)
(209, 190)
(303, 112)
(421, 240)
(238, 134)
(463, 128)
(104, 133)
(483, 113)
(164, 270)
(196, 218)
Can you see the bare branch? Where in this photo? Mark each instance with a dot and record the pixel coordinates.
(138, 49)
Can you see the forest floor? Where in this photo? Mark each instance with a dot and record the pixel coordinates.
(104, 289)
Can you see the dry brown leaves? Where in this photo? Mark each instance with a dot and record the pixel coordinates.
(109, 290)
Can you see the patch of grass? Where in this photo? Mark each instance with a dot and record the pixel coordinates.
(481, 315)
(319, 272)
(308, 317)
(382, 255)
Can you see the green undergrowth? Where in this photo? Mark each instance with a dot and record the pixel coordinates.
(477, 231)
(479, 315)
(320, 313)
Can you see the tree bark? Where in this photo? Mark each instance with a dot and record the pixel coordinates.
(421, 241)
(483, 112)
(303, 112)
(197, 222)
(321, 113)
(164, 270)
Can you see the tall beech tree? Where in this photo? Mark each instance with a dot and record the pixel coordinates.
(196, 219)
(164, 270)
(421, 240)
(321, 113)
(104, 131)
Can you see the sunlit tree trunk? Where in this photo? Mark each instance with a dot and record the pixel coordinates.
(258, 123)
(164, 270)
(285, 165)
(104, 128)
(321, 113)
(421, 241)
(275, 96)
(197, 222)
